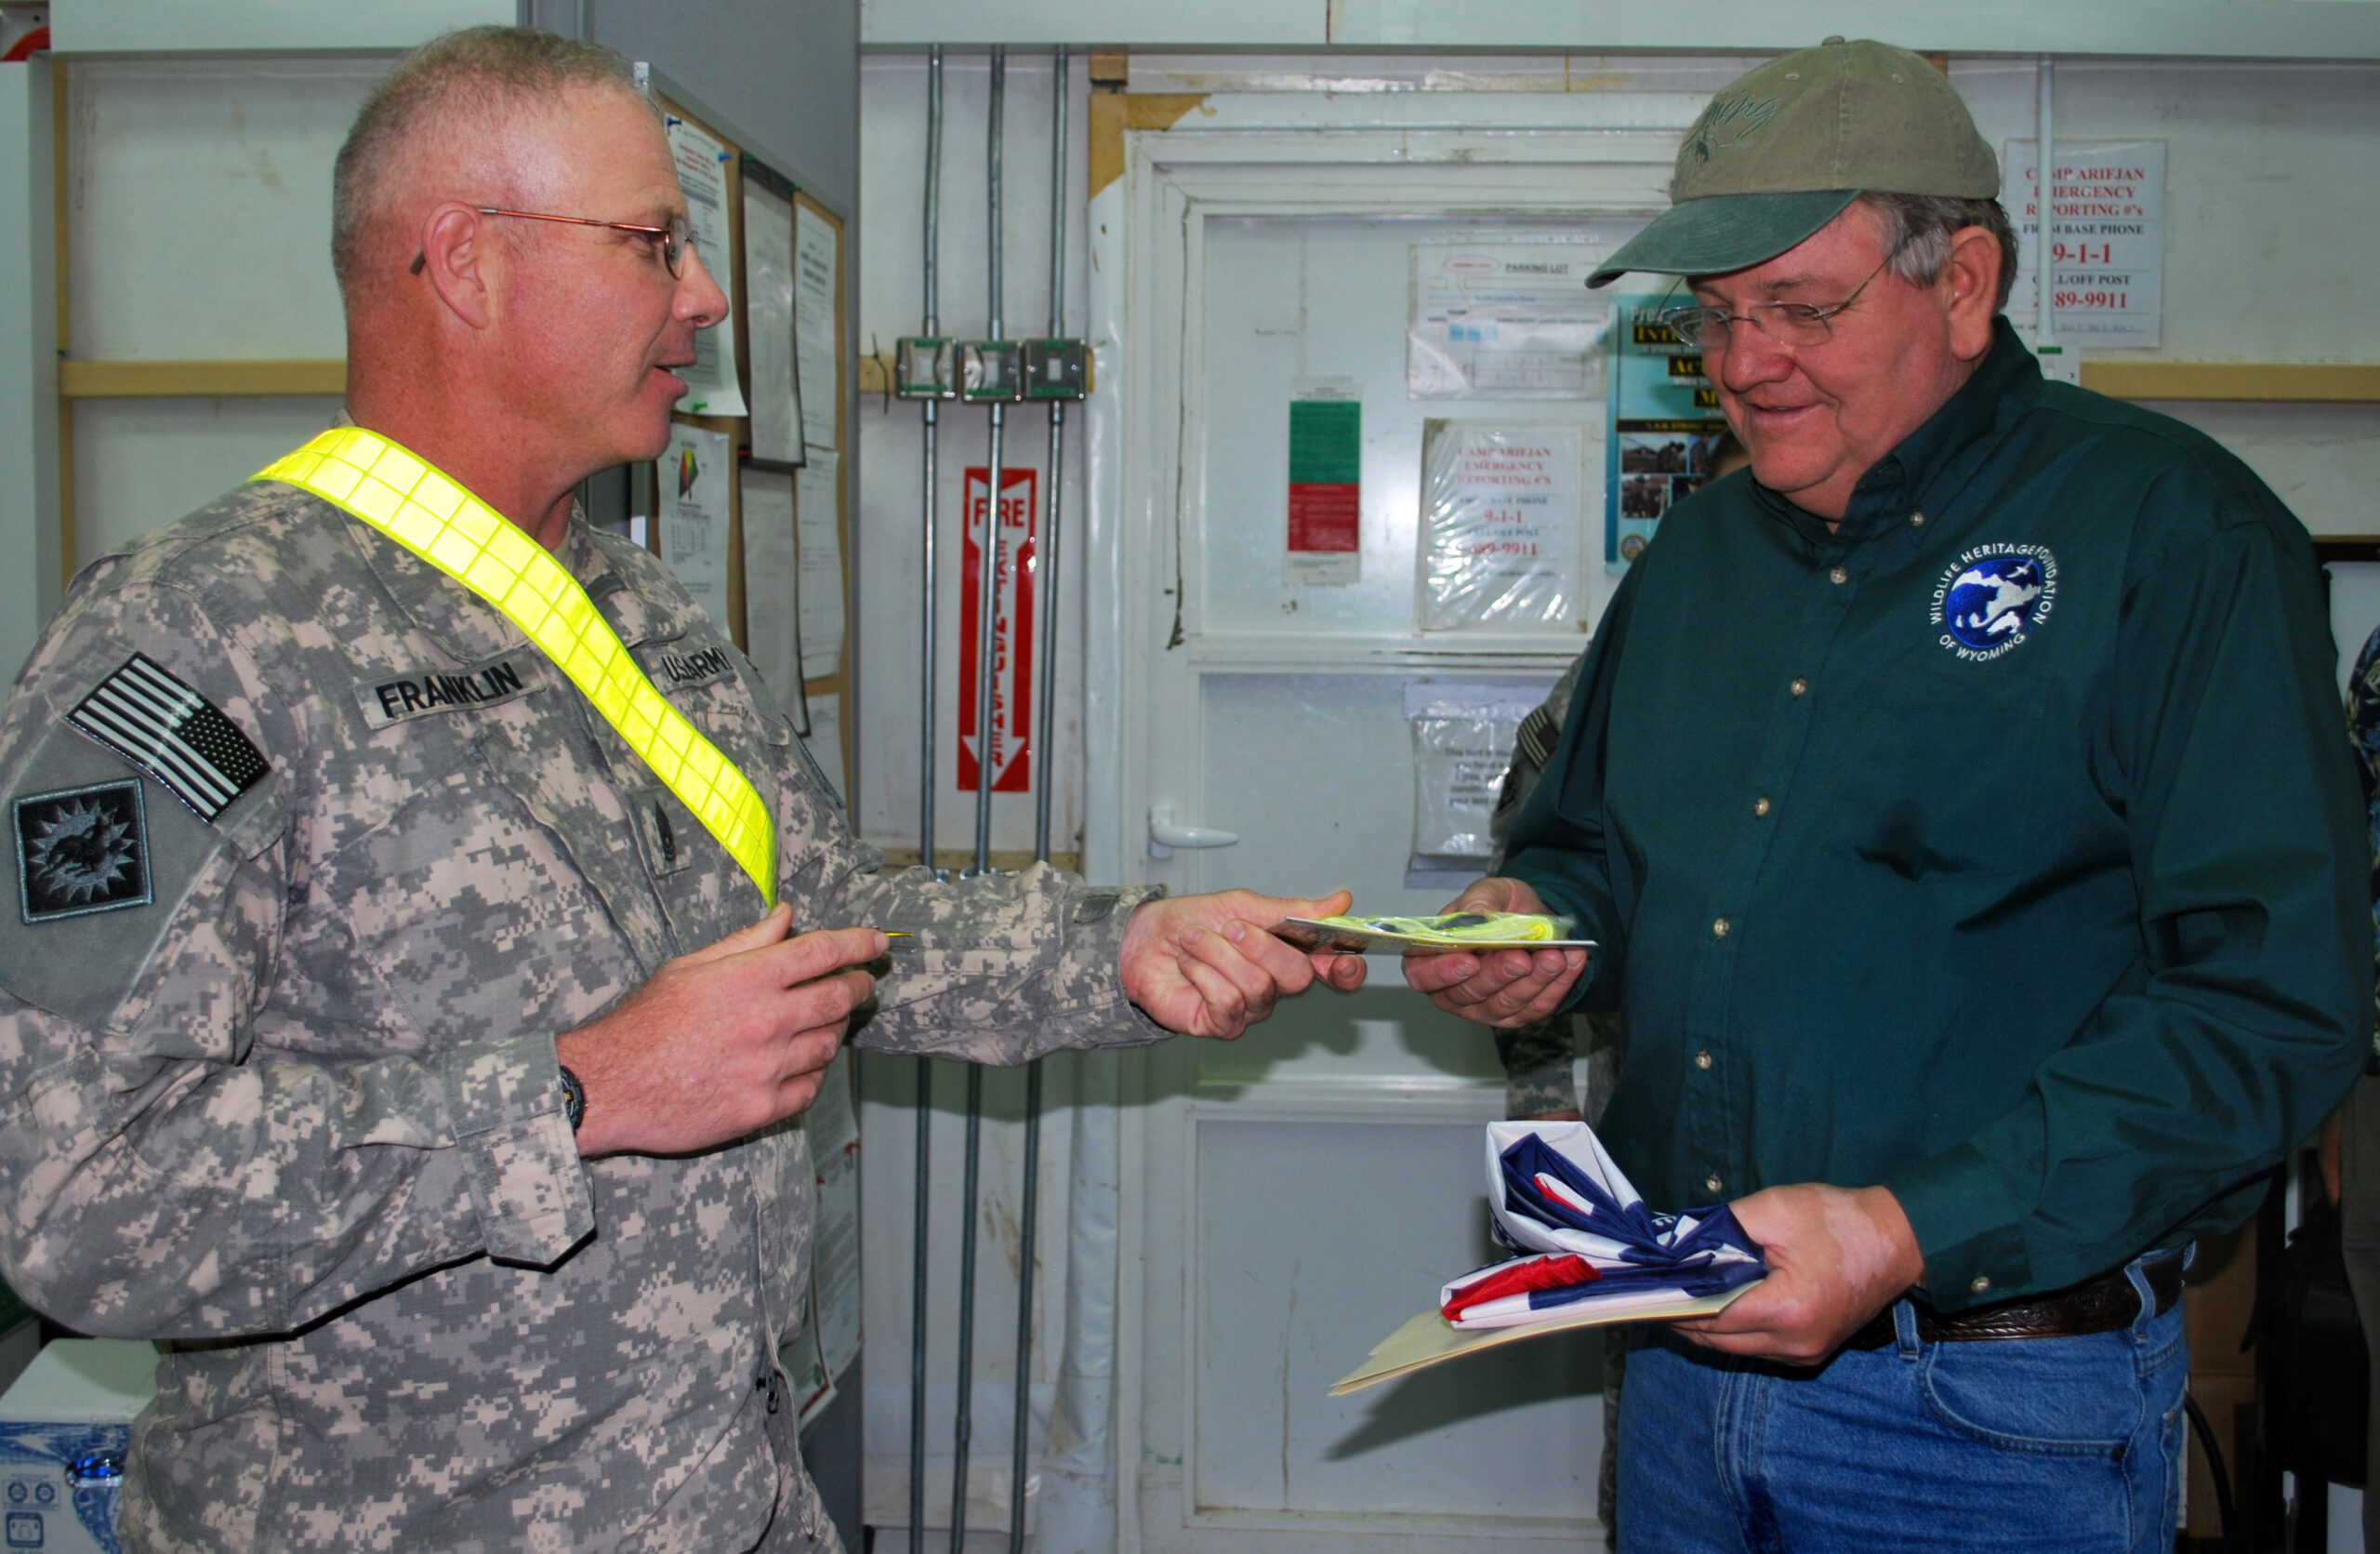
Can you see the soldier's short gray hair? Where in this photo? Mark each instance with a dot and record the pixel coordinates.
(479, 73)
(1918, 229)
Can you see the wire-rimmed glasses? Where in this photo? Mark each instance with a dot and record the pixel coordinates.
(1788, 324)
(672, 242)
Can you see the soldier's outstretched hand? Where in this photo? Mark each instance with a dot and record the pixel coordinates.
(1208, 966)
(720, 1042)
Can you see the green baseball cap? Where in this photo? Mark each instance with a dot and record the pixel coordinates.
(1785, 149)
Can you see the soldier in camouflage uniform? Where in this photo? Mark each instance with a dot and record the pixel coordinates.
(302, 960)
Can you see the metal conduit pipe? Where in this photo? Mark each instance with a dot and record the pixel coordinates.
(925, 832)
(986, 643)
(2044, 180)
(1045, 748)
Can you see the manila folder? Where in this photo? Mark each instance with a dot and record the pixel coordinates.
(1430, 1338)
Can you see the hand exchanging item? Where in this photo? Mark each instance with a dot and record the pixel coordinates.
(1501, 988)
(1208, 965)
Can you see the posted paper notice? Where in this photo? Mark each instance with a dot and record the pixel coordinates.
(1496, 321)
(702, 175)
(1499, 515)
(2107, 239)
(818, 511)
(817, 276)
(1326, 482)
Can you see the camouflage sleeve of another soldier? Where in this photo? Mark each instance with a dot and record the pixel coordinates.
(1540, 1071)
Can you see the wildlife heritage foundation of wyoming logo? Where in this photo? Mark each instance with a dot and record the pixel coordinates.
(1993, 598)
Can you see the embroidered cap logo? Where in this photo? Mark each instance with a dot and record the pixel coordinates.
(1728, 121)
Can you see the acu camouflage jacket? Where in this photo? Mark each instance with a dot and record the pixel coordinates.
(277, 1045)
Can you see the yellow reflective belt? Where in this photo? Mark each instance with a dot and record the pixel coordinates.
(434, 516)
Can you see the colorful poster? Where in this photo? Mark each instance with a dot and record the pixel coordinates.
(702, 175)
(1326, 482)
(1500, 526)
(1011, 630)
(2107, 240)
(695, 490)
(1664, 423)
(1504, 320)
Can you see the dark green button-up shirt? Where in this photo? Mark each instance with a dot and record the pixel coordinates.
(2000, 847)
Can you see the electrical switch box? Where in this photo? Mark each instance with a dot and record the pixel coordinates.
(988, 372)
(1056, 369)
(923, 369)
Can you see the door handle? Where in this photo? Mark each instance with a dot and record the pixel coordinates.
(1165, 835)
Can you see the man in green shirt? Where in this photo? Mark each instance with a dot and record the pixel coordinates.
(1960, 808)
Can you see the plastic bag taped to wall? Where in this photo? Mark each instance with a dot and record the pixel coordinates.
(1462, 743)
(1500, 526)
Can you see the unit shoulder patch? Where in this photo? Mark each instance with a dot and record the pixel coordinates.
(172, 733)
(82, 850)
(1993, 598)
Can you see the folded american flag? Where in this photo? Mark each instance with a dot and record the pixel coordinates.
(1586, 1235)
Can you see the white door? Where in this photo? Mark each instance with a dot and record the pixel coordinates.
(1291, 1197)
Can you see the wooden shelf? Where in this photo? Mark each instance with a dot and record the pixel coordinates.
(2239, 382)
(229, 380)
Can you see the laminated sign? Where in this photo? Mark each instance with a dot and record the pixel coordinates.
(1500, 526)
(1012, 634)
(1462, 744)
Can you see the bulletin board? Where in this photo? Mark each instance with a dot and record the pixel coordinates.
(820, 551)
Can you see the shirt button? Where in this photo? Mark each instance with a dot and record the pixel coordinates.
(1917, 520)
(1759, 807)
(1800, 687)
(1980, 1283)
(1719, 930)
(1711, 1182)
(1838, 576)
(1702, 1060)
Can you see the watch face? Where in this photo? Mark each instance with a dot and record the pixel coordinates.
(574, 1099)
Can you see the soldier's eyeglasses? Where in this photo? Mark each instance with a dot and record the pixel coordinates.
(673, 243)
(1790, 323)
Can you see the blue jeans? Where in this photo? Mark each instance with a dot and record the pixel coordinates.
(2065, 1444)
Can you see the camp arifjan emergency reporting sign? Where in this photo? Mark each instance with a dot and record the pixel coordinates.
(2107, 238)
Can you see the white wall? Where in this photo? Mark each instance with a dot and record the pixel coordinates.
(29, 560)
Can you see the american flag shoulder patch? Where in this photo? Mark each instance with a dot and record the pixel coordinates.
(172, 733)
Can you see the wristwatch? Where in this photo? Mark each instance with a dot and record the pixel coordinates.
(574, 1098)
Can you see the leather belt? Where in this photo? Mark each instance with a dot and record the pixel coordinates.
(2100, 1305)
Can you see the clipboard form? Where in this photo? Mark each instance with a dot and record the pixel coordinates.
(1591, 1254)
(1448, 932)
